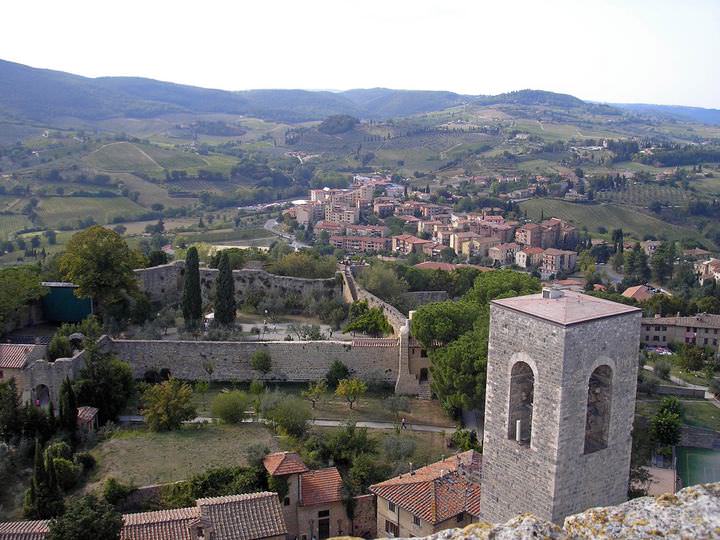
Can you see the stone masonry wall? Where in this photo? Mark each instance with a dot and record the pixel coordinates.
(164, 283)
(297, 361)
(699, 438)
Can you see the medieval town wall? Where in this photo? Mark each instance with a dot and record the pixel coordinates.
(164, 283)
(295, 361)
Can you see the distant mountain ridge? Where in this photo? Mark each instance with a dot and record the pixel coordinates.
(678, 112)
(43, 95)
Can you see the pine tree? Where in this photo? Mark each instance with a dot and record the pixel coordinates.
(68, 407)
(224, 293)
(191, 299)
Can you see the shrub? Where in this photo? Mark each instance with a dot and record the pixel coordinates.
(647, 382)
(59, 347)
(465, 439)
(291, 415)
(671, 404)
(59, 449)
(167, 405)
(67, 473)
(336, 373)
(85, 460)
(115, 492)
(398, 447)
(662, 369)
(665, 428)
(230, 407)
(351, 389)
(261, 361)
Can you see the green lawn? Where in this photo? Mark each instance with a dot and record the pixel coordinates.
(141, 457)
(634, 223)
(697, 412)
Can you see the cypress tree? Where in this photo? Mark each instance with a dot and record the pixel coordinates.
(224, 293)
(191, 299)
(68, 407)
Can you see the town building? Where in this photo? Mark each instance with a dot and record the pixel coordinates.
(366, 230)
(478, 246)
(560, 404)
(650, 246)
(529, 257)
(504, 253)
(557, 260)
(361, 244)
(313, 506)
(335, 213)
(529, 235)
(407, 244)
(702, 329)
(13, 361)
(308, 214)
(442, 495)
(708, 271)
(639, 293)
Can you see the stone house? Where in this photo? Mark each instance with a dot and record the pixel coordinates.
(557, 260)
(407, 244)
(504, 253)
(313, 506)
(440, 496)
(13, 361)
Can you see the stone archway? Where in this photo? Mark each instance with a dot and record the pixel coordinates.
(42, 395)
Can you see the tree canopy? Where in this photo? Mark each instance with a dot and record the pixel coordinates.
(101, 264)
(20, 285)
(87, 518)
(456, 336)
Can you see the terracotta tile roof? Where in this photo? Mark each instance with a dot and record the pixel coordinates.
(374, 342)
(638, 292)
(250, 516)
(320, 487)
(282, 463)
(160, 525)
(432, 265)
(439, 491)
(24, 530)
(14, 356)
(86, 414)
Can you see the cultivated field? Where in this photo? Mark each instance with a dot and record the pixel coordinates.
(122, 157)
(643, 194)
(56, 211)
(610, 216)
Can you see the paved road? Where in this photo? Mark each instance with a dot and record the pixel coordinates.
(137, 419)
(272, 226)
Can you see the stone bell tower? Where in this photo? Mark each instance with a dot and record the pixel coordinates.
(560, 402)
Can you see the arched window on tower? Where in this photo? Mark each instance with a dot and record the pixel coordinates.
(520, 409)
(597, 421)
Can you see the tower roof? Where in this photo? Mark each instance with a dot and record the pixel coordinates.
(565, 307)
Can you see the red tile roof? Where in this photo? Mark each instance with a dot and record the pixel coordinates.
(24, 530)
(439, 491)
(14, 356)
(638, 292)
(320, 487)
(250, 516)
(282, 463)
(432, 265)
(86, 414)
(160, 525)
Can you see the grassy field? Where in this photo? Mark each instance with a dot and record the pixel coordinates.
(634, 223)
(122, 157)
(370, 408)
(142, 457)
(698, 465)
(152, 192)
(228, 235)
(171, 158)
(698, 412)
(56, 211)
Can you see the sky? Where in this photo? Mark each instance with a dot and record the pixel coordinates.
(631, 51)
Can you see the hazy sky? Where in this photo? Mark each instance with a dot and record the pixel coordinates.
(651, 51)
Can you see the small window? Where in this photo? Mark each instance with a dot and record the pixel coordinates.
(1, 374)
(324, 513)
(656, 338)
(416, 520)
(460, 517)
(286, 501)
(391, 506)
(391, 528)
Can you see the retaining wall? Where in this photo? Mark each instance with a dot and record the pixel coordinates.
(683, 391)
(699, 437)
